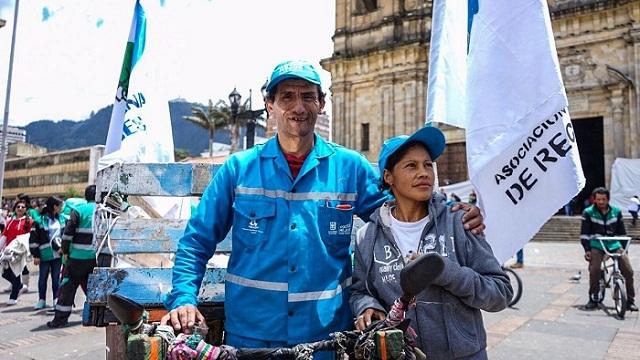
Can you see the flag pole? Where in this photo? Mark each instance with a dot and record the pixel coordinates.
(5, 123)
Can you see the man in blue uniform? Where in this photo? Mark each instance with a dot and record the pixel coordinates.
(291, 203)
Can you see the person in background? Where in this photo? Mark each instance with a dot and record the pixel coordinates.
(602, 219)
(81, 256)
(444, 195)
(473, 199)
(18, 224)
(4, 216)
(45, 244)
(447, 316)
(634, 207)
(33, 212)
(519, 264)
(568, 207)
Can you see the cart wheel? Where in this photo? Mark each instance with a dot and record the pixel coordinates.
(516, 284)
(619, 297)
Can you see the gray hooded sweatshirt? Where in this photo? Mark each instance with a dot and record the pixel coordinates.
(447, 317)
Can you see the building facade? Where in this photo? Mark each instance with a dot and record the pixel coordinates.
(54, 173)
(14, 135)
(379, 77)
(323, 126)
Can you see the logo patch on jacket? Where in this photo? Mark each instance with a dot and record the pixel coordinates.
(253, 227)
(335, 229)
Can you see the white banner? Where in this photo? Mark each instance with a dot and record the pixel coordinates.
(521, 149)
(625, 182)
(447, 63)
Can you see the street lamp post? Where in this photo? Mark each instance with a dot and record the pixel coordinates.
(234, 100)
(3, 140)
(249, 115)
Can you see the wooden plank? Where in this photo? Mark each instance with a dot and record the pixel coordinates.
(148, 286)
(101, 316)
(169, 179)
(116, 343)
(136, 236)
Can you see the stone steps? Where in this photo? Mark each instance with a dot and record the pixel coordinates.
(567, 228)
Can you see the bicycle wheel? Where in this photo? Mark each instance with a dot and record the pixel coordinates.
(516, 284)
(619, 297)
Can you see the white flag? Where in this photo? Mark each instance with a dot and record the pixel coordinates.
(447, 63)
(140, 127)
(521, 148)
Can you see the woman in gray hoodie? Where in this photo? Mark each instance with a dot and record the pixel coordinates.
(447, 315)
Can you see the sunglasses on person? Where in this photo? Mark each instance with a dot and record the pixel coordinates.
(21, 207)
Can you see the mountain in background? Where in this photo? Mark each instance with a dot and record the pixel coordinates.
(67, 134)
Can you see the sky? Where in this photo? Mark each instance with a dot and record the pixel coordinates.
(68, 53)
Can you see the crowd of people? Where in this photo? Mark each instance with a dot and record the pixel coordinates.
(56, 235)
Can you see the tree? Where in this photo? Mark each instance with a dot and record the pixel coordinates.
(215, 116)
(220, 115)
(71, 192)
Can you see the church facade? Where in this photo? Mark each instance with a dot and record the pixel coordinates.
(379, 77)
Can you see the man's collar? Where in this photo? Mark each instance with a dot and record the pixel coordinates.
(321, 148)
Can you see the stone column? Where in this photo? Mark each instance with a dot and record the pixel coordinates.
(634, 122)
(617, 113)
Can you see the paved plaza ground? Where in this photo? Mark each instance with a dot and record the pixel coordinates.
(547, 323)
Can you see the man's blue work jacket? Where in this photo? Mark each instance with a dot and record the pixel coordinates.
(289, 271)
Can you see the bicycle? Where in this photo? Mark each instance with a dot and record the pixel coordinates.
(516, 284)
(391, 338)
(610, 274)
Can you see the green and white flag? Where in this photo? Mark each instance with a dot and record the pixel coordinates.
(140, 128)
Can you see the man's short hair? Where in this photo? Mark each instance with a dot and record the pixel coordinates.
(90, 193)
(600, 190)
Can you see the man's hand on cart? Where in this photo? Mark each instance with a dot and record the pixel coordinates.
(183, 318)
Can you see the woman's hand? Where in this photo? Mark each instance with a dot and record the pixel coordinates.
(472, 219)
(365, 319)
(36, 261)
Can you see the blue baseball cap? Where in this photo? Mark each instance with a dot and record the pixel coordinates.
(431, 137)
(296, 69)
